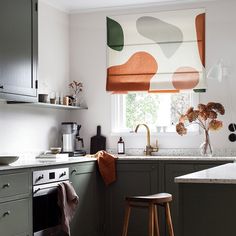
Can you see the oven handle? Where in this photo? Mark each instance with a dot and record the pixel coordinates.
(45, 189)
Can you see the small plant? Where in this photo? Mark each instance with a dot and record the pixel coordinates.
(206, 117)
(76, 87)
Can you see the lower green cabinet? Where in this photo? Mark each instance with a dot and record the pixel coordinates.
(15, 203)
(101, 208)
(15, 218)
(172, 170)
(132, 179)
(84, 179)
(207, 209)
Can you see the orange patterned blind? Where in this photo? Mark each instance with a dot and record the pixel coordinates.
(156, 52)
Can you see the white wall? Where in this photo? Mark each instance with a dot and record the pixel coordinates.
(26, 129)
(88, 64)
(53, 65)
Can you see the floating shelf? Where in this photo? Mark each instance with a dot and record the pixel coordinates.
(48, 105)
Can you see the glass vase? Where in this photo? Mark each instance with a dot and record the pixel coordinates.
(206, 148)
(75, 100)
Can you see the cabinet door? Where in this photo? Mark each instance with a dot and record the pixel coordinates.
(15, 218)
(14, 185)
(18, 47)
(207, 209)
(85, 221)
(132, 179)
(172, 171)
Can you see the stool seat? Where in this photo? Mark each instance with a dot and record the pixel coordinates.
(151, 202)
(154, 198)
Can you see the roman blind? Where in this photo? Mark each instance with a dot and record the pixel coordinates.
(156, 52)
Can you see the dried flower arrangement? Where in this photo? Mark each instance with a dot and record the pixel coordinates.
(206, 117)
(76, 86)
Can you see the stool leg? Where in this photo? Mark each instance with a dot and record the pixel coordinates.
(168, 219)
(156, 222)
(126, 220)
(151, 219)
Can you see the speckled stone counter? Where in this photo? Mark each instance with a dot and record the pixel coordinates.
(33, 162)
(224, 174)
(180, 158)
(23, 163)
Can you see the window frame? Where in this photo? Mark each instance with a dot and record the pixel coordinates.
(117, 118)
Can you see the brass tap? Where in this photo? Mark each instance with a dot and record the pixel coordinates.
(149, 148)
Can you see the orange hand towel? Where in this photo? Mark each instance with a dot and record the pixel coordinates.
(107, 166)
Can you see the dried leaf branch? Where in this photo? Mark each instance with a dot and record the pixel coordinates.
(76, 87)
(205, 116)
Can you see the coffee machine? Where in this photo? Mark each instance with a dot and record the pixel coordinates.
(72, 143)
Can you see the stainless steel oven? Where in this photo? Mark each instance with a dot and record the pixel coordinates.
(46, 213)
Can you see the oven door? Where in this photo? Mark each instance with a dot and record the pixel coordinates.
(46, 212)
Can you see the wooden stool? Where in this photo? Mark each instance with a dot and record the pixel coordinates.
(151, 202)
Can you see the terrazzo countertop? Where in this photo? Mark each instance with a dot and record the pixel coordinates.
(29, 162)
(224, 174)
(23, 163)
(178, 158)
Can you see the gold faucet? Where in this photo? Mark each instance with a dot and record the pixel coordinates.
(149, 148)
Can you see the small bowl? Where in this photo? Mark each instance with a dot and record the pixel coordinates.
(6, 160)
(55, 150)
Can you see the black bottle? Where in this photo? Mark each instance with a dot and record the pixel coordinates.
(121, 146)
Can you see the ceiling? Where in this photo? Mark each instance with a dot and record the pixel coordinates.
(81, 5)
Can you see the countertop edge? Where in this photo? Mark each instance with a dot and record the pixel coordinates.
(36, 163)
(223, 174)
(44, 163)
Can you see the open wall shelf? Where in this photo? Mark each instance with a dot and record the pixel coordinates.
(48, 105)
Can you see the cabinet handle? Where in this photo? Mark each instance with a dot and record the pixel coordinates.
(6, 185)
(7, 213)
(1, 87)
(73, 171)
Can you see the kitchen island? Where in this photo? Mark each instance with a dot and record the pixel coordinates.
(207, 203)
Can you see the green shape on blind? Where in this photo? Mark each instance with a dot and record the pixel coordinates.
(115, 35)
(199, 90)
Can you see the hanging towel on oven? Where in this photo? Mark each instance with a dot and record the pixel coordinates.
(67, 201)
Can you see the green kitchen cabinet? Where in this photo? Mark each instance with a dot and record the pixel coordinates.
(18, 49)
(172, 170)
(134, 178)
(15, 218)
(175, 169)
(15, 203)
(84, 179)
(207, 209)
(14, 185)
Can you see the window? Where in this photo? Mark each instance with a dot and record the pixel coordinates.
(159, 111)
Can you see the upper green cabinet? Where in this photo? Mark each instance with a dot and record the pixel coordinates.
(18, 49)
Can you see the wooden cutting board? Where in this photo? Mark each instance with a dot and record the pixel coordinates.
(98, 142)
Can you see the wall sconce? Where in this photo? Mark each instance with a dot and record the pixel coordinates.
(218, 71)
